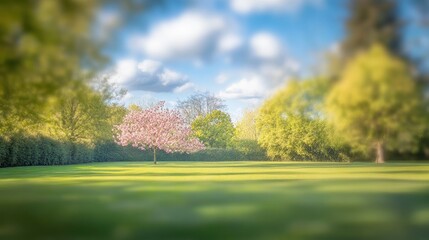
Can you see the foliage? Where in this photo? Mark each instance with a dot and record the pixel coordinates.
(246, 127)
(377, 102)
(157, 128)
(214, 130)
(109, 92)
(79, 116)
(372, 22)
(25, 150)
(50, 102)
(44, 43)
(3, 151)
(74, 122)
(249, 147)
(292, 125)
(110, 151)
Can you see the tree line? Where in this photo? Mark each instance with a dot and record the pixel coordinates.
(371, 100)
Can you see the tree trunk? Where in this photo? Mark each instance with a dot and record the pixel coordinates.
(154, 155)
(379, 147)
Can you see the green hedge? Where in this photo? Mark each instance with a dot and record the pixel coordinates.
(25, 151)
(22, 150)
(3, 151)
(109, 151)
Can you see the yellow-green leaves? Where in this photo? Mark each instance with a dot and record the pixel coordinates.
(214, 130)
(377, 100)
(292, 126)
(246, 127)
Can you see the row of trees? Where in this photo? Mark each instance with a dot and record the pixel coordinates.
(372, 98)
(376, 104)
(213, 126)
(179, 131)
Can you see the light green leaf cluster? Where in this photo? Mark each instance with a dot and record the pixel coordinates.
(44, 46)
(80, 115)
(246, 127)
(214, 130)
(292, 125)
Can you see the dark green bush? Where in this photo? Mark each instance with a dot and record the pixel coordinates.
(109, 151)
(251, 149)
(4, 148)
(22, 150)
(16, 151)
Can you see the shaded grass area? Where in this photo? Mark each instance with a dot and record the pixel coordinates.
(215, 200)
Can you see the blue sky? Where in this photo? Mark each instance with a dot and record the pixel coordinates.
(239, 50)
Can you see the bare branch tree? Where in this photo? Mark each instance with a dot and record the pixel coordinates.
(199, 104)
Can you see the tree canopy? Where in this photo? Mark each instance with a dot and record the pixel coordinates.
(246, 127)
(215, 129)
(157, 128)
(44, 44)
(376, 103)
(372, 22)
(292, 126)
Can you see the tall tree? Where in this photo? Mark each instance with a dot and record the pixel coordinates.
(372, 22)
(80, 115)
(43, 44)
(376, 104)
(199, 104)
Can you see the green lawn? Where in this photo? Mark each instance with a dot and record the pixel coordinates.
(215, 200)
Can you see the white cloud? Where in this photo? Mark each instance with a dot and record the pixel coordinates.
(249, 6)
(246, 88)
(265, 46)
(276, 73)
(229, 42)
(149, 75)
(185, 87)
(266, 66)
(192, 35)
(125, 70)
(149, 66)
(261, 80)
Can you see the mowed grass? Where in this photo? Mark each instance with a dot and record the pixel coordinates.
(215, 200)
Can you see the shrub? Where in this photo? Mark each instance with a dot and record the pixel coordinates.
(250, 148)
(4, 148)
(38, 150)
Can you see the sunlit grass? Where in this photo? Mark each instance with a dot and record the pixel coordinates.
(207, 200)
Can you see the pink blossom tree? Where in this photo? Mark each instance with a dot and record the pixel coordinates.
(157, 128)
